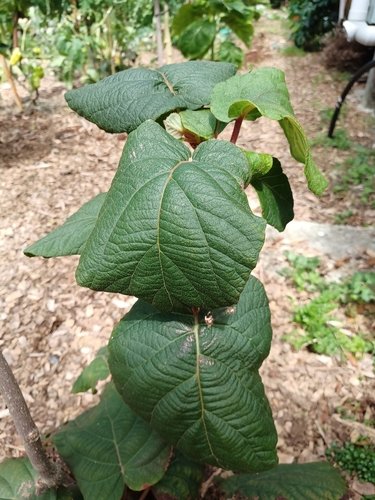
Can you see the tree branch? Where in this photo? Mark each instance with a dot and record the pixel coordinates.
(50, 474)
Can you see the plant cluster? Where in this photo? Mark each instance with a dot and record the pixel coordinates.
(196, 25)
(354, 458)
(321, 332)
(175, 229)
(311, 20)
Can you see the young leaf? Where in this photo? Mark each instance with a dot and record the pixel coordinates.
(264, 92)
(173, 125)
(121, 102)
(17, 481)
(97, 370)
(108, 447)
(182, 480)
(197, 38)
(201, 124)
(314, 481)
(175, 230)
(228, 52)
(273, 189)
(71, 237)
(195, 380)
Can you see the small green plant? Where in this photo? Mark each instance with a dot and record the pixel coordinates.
(292, 51)
(303, 272)
(341, 218)
(175, 230)
(354, 458)
(359, 171)
(340, 140)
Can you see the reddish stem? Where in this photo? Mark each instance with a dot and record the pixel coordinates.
(236, 130)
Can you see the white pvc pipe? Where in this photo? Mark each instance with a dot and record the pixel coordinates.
(358, 10)
(361, 32)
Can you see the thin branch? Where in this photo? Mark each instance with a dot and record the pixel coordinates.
(236, 130)
(50, 474)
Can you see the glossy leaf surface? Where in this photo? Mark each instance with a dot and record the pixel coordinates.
(195, 380)
(175, 230)
(121, 102)
(97, 370)
(273, 189)
(71, 237)
(197, 38)
(108, 447)
(17, 481)
(264, 92)
(313, 481)
(182, 480)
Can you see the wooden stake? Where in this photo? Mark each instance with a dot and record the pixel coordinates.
(10, 79)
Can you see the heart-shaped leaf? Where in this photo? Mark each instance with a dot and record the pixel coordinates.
(17, 481)
(71, 237)
(264, 92)
(273, 189)
(197, 38)
(175, 230)
(182, 480)
(241, 26)
(108, 447)
(121, 102)
(314, 481)
(185, 16)
(229, 52)
(97, 370)
(195, 379)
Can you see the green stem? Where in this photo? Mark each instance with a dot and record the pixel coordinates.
(236, 130)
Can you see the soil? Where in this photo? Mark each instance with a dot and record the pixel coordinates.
(52, 161)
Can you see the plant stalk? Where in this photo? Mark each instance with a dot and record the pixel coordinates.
(11, 81)
(236, 129)
(50, 474)
(159, 40)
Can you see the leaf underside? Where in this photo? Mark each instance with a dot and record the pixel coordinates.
(121, 102)
(264, 92)
(313, 481)
(174, 230)
(71, 237)
(197, 383)
(109, 447)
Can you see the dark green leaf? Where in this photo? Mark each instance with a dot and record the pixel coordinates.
(241, 26)
(315, 481)
(97, 370)
(17, 481)
(109, 447)
(121, 102)
(197, 38)
(182, 480)
(175, 230)
(229, 52)
(185, 16)
(264, 92)
(273, 189)
(196, 380)
(71, 237)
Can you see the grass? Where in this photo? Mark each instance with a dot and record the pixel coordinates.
(340, 140)
(292, 51)
(320, 330)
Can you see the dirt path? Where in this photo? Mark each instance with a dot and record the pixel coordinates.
(51, 161)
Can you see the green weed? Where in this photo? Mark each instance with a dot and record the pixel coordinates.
(303, 272)
(338, 76)
(339, 140)
(341, 218)
(355, 459)
(292, 51)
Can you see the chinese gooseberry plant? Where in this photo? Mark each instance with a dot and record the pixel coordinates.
(175, 230)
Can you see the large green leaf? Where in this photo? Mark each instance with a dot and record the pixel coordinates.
(17, 481)
(195, 379)
(97, 370)
(182, 480)
(185, 16)
(241, 26)
(108, 447)
(315, 481)
(273, 189)
(121, 102)
(264, 92)
(71, 237)
(197, 38)
(175, 230)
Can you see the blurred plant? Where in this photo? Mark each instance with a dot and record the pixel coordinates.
(196, 25)
(311, 20)
(354, 458)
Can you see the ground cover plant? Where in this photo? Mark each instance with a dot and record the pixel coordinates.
(322, 331)
(176, 230)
